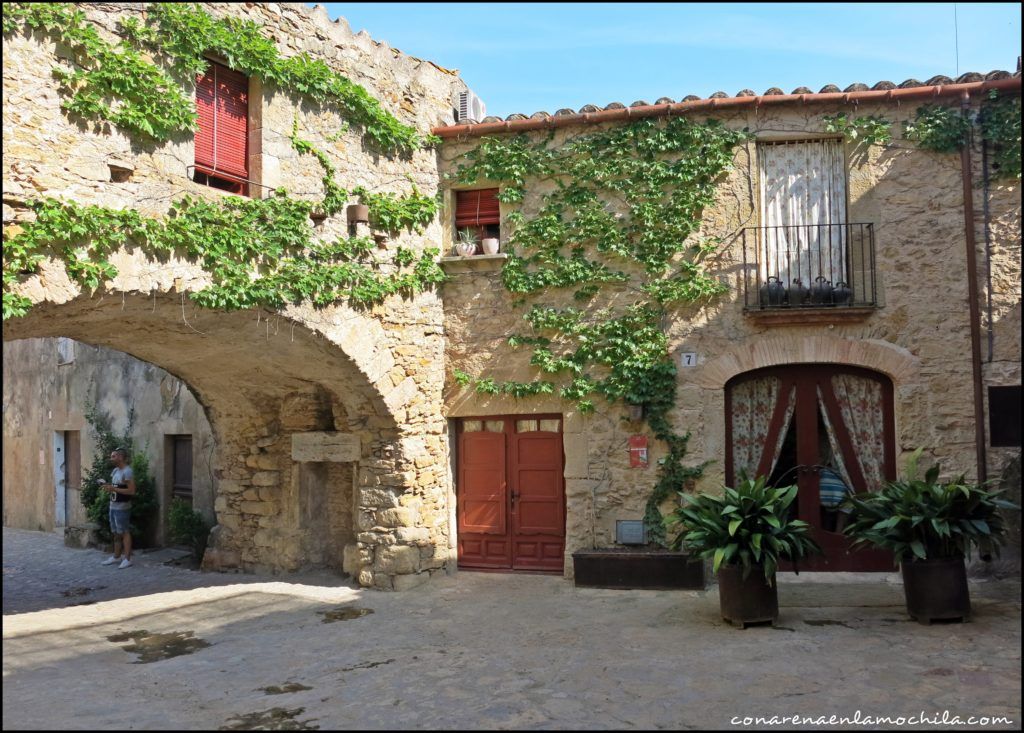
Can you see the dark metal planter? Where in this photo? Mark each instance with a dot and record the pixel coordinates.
(637, 569)
(358, 213)
(747, 601)
(936, 589)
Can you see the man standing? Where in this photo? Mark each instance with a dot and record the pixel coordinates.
(122, 489)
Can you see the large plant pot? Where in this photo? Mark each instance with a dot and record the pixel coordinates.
(747, 600)
(638, 569)
(936, 589)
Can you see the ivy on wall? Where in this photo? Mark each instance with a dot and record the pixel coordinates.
(121, 83)
(621, 210)
(870, 129)
(1000, 126)
(258, 252)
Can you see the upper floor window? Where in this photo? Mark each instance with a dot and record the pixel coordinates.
(477, 211)
(222, 141)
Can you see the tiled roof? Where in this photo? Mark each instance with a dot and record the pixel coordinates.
(832, 92)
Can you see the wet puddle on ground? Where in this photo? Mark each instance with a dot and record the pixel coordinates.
(80, 591)
(345, 613)
(283, 689)
(152, 647)
(273, 719)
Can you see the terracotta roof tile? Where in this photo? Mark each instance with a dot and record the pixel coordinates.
(935, 81)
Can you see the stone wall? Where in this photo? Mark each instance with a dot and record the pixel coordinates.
(919, 335)
(44, 395)
(375, 375)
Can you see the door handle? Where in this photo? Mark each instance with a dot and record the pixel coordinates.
(515, 496)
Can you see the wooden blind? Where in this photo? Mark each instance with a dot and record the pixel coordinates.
(475, 208)
(222, 101)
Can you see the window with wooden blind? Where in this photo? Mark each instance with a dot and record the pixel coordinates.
(222, 141)
(477, 211)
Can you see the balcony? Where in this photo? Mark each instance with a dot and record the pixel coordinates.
(810, 272)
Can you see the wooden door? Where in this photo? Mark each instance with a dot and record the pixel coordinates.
(807, 411)
(511, 493)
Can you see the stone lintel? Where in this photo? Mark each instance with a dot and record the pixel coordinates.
(316, 447)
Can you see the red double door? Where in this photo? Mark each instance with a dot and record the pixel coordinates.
(511, 493)
(802, 408)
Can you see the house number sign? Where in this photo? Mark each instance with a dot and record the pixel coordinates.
(637, 451)
(688, 358)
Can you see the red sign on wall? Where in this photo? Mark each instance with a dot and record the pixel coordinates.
(637, 451)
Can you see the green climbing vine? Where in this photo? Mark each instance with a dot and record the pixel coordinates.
(120, 84)
(258, 252)
(623, 213)
(939, 129)
(390, 213)
(334, 195)
(871, 129)
(1000, 126)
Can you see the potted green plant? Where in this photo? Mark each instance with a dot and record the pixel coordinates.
(467, 242)
(746, 531)
(930, 526)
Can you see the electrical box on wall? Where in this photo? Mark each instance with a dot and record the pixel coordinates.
(630, 532)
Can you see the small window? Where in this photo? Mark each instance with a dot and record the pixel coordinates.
(222, 140)
(1004, 416)
(65, 351)
(181, 480)
(477, 211)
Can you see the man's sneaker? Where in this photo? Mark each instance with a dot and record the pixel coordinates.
(110, 560)
(126, 563)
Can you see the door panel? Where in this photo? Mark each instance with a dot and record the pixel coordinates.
(511, 493)
(813, 388)
(483, 501)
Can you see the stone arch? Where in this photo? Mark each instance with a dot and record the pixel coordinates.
(261, 383)
(881, 356)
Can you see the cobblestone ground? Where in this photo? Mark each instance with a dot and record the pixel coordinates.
(166, 648)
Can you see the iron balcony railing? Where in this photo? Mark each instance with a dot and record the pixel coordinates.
(809, 266)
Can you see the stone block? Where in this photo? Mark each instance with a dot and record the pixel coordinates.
(251, 494)
(262, 461)
(220, 504)
(266, 478)
(407, 582)
(365, 578)
(82, 536)
(217, 560)
(259, 508)
(229, 486)
(398, 517)
(412, 535)
(316, 447)
(378, 498)
(353, 557)
(396, 560)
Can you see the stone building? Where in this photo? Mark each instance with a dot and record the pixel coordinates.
(347, 436)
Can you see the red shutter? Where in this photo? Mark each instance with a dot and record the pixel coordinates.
(474, 208)
(222, 100)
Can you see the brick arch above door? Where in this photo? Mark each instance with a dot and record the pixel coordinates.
(892, 360)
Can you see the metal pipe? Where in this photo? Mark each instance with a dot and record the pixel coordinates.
(972, 291)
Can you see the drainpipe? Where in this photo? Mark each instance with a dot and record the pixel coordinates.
(986, 216)
(972, 292)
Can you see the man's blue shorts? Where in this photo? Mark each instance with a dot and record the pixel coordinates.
(119, 519)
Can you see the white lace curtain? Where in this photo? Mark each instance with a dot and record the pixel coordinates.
(753, 404)
(803, 185)
(860, 402)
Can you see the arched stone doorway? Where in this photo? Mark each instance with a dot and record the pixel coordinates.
(312, 465)
(827, 428)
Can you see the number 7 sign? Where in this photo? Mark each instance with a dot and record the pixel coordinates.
(688, 358)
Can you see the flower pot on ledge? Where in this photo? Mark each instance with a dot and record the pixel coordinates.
(640, 568)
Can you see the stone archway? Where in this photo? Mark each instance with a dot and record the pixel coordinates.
(325, 456)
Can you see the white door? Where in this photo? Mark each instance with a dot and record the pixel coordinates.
(60, 481)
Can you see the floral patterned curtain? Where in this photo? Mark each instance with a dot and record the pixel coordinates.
(803, 185)
(860, 401)
(753, 403)
(836, 461)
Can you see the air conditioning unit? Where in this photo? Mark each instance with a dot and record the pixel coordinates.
(470, 107)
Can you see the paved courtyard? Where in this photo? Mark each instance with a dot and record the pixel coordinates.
(163, 647)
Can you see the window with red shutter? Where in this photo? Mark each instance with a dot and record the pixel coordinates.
(478, 212)
(222, 141)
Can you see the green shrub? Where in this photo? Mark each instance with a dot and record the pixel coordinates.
(747, 526)
(924, 518)
(188, 527)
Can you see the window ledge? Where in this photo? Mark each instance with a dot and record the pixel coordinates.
(789, 316)
(474, 263)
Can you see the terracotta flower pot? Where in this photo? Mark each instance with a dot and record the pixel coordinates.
(747, 600)
(358, 214)
(936, 589)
